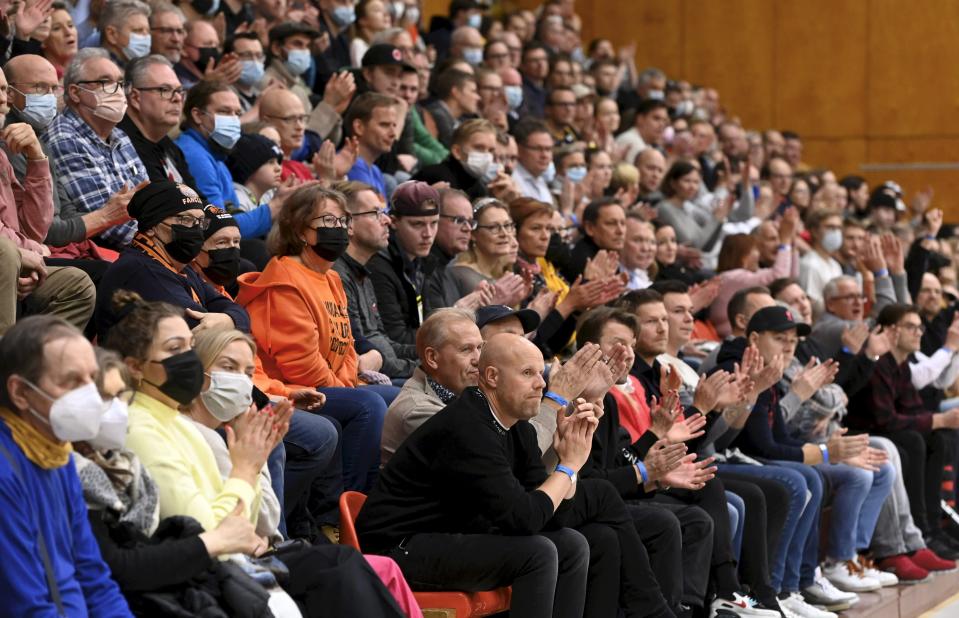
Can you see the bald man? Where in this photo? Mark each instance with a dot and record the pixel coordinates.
(652, 167)
(470, 482)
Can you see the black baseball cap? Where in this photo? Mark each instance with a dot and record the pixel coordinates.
(383, 54)
(492, 313)
(776, 319)
(283, 31)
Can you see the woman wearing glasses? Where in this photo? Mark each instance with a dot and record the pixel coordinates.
(170, 224)
(301, 324)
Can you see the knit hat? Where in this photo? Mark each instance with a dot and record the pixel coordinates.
(159, 200)
(252, 150)
(218, 218)
(415, 199)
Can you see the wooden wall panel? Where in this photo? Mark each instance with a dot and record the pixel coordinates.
(820, 77)
(913, 85)
(729, 45)
(655, 27)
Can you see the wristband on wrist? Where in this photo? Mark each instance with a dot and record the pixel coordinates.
(846, 350)
(567, 471)
(825, 453)
(930, 237)
(785, 247)
(882, 272)
(556, 398)
(643, 473)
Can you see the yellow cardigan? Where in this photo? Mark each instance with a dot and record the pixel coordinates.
(180, 461)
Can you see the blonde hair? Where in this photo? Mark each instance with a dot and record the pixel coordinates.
(209, 344)
(436, 330)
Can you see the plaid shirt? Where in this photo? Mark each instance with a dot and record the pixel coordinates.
(90, 170)
(889, 402)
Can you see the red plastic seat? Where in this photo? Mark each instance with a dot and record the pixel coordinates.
(461, 604)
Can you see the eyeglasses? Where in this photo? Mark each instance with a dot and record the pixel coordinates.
(912, 328)
(108, 86)
(461, 221)
(295, 119)
(250, 56)
(170, 31)
(165, 92)
(334, 221)
(189, 221)
(539, 149)
(498, 228)
(850, 297)
(378, 214)
(38, 88)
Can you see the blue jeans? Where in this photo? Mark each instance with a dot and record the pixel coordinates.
(275, 464)
(360, 412)
(737, 517)
(310, 446)
(857, 500)
(796, 556)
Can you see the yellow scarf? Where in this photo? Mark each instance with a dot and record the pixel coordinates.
(37, 447)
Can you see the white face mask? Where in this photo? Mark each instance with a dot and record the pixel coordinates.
(113, 427)
(832, 240)
(75, 416)
(229, 395)
(478, 162)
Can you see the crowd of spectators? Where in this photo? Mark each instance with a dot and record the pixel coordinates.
(569, 326)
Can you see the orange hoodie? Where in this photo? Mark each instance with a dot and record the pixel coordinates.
(300, 322)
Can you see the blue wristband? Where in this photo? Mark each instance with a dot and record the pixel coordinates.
(785, 247)
(825, 453)
(883, 272)
(642, 471)
(567, 471)
(846, 350)
(557, 398)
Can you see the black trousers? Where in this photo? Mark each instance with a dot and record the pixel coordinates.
(767, 503)
(598, 503)
(679, 539)
(924, 458)
(547, 571)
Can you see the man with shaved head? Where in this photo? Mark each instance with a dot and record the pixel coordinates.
(470, 481)
(283, 110)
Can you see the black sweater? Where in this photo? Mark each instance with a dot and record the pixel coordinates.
(459, 472)
(607, 458)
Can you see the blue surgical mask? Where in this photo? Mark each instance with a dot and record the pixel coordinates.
(832, 240)
(226, 131)
(40, 110)
(473, 55)
(298, 61)
(576, 174)
(492, 172)
(138, 46)
(550, 173)
(514, 96)
(656, 95)
(343, 16)
(474, 21)
(251, 73)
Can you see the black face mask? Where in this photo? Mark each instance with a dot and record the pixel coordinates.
(202, 6)
(207, 54)
(557, 252)
(184, 377)
(224, 265)
(331, 242)
(186, 244)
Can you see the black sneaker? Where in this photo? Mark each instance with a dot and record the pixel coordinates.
(942, 547)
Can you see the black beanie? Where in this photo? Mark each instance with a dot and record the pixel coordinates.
(218, 218)
(159, 200)
(252, 150)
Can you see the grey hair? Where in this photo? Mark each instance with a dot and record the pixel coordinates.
(649, 75)
(437, 330)
(831, 289)
(116, 12)
(386, 36)
(72, 73)
(138, 67)
(159, 8)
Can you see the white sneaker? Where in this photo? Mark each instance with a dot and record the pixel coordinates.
(823, 594)
(847, 575)
(884, 578)
(741, 605)
(794, 607)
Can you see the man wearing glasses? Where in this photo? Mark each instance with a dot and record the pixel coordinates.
(845, 306)
(154, 104)
(170, 236)
(96, 165)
